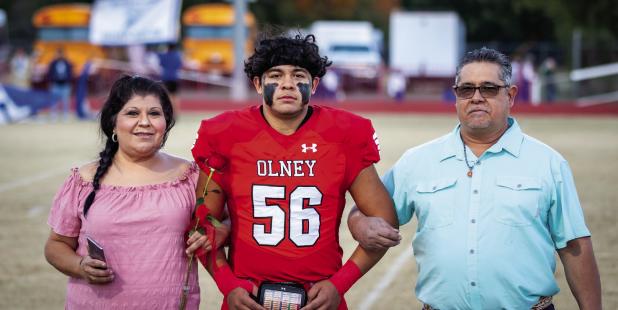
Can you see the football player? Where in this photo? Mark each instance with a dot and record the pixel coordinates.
(284, 168)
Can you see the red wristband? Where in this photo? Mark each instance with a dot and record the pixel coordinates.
(227, 281)
(346, 277)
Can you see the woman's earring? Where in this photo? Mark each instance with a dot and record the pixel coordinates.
(114, 137)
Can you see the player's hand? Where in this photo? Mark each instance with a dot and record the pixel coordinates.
(223, 231)
(196, 241)
(95, 271)
(375, 234)
(323, 296)
(239, 298)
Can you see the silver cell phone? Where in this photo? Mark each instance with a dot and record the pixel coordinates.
(95, 250)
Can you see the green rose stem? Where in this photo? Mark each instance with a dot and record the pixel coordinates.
(185, 286)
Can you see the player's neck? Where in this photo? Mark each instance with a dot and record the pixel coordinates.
(286, 124)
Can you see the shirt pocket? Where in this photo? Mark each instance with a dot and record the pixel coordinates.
(517, 200)
(434, 202)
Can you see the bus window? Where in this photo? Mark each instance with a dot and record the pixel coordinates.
(208, 41)
(63, 26)
(63, 34)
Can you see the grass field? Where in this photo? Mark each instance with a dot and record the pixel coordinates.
(36, 158)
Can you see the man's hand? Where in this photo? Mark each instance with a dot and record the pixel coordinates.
(239, 298)
(372, 233)
(323, 296)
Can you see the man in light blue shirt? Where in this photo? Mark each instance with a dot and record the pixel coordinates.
(493, 206)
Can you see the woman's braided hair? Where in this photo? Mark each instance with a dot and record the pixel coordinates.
(121, 92)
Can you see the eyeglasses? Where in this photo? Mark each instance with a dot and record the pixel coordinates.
(487, 90)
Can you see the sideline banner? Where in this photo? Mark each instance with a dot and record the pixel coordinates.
(122, 22)
(18, 103)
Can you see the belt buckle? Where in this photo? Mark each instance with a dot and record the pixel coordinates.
(281, 295)
(544, 302)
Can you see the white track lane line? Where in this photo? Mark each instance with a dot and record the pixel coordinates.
(376, 292)
(5, 187)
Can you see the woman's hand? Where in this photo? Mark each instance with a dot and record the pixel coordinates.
(95, 271)
(60, 253)
(221, 235)
(197, 241)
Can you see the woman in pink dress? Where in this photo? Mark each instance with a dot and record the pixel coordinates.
(135, 202)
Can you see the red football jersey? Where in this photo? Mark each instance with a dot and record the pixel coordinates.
(286, 194)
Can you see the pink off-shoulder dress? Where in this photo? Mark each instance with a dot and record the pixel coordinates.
(141, 229)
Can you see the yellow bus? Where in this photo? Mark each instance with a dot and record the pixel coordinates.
(64, 26)
(208, 41)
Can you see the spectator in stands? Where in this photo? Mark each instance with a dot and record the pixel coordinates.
(82, 110)
(21, 69)
(60, 77)
(523, 73)
(548, 72)
(396, 85)
(171, 63)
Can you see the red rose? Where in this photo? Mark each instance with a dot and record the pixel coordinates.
(216, 161)
(202, 212)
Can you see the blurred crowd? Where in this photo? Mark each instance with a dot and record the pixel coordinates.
(69, 89)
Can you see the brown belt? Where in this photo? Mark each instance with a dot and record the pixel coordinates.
(543, 303)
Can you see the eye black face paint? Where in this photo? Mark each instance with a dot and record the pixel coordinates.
(269, 92)
(305, 91)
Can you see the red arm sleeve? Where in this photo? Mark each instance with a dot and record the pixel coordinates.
(362, 149)
(205, 146)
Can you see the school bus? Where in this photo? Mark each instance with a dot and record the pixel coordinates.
(208, 42)
(64, 26)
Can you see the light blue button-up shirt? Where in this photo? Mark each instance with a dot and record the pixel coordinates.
(486, 241)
